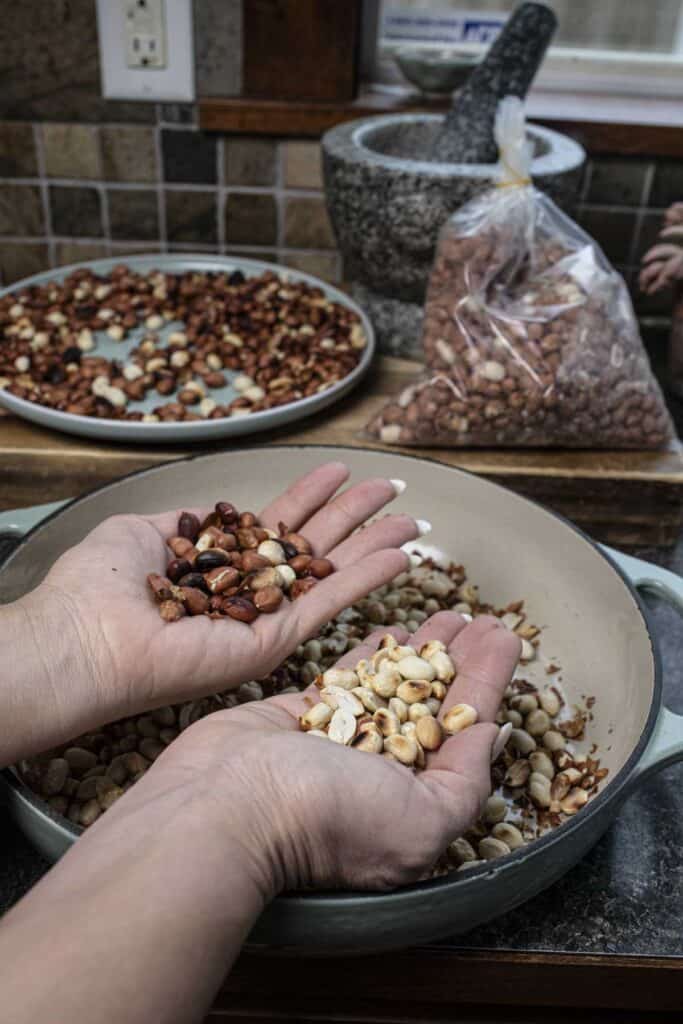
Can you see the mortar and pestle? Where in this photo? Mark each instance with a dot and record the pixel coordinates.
(392, 181)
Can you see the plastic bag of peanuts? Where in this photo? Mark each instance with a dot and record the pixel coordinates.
(529, 334)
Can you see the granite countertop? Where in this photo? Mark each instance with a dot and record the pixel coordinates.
(625, 897)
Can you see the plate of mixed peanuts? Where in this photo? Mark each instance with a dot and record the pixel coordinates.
(177, 348)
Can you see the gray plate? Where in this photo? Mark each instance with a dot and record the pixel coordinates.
(204, 430)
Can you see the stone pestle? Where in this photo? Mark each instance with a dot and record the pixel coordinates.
(508, 69)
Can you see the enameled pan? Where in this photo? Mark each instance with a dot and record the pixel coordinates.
(584, 596)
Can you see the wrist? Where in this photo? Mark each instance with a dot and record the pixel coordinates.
(52, 687)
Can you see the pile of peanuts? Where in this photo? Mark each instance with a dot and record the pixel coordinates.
(389, 703)
(231, 566)
(284, 339)
(527, 348)
(539, 780)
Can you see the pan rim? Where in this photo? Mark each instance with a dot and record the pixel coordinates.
(616, 787)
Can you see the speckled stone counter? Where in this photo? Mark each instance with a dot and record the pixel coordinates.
(625, 898)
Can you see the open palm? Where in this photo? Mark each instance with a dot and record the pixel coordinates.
(335, 815)
(137, 661)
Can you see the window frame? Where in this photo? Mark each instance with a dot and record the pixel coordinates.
(624, 86)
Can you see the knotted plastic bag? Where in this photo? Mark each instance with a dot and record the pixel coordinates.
(529, 334)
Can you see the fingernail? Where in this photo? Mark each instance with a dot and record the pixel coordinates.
(398, 485)
(500, 741)
(423, 526)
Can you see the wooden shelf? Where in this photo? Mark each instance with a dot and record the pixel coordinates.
(627, 498)
(240, 115)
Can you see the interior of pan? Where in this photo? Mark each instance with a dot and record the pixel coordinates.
(593, 624)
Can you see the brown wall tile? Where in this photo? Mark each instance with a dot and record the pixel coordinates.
(218, 47)
(52, 48)
(618, 181)
(128, 153)
(612, 229)
(17, 150)
(303, 165)
(265, 257)
(321, 264)
(650, 226)
(249, 161)
(307, 225)
(75, 211)
(71, 151)
(191, 217)
(189, 156)
(17, 261)
(667, 186)
(133, 213)
(21, 210)
(250, 219)
(77, 252)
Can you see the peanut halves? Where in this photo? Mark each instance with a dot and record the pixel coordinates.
(393, 710)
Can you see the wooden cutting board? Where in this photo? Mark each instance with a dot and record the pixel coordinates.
(629, 499)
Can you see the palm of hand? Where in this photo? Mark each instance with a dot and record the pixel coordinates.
(336, 816)
(133, 654)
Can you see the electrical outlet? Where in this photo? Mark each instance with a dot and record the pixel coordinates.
(145, 34)
(146, 49)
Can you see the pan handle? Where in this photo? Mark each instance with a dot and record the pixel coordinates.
(18, 521)
(666, 743)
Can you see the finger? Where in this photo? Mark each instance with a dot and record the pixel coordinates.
(675, 231)
(167, 522)
(486, 658)
(305, 496)
(661, 252)
(343, 588)
(293, 507)
(388, 532)
(443, 626)
(347, 512)
(459, 774)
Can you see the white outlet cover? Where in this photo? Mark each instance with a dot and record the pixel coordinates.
(174, 81)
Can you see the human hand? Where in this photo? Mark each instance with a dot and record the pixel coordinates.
(320, 814)
(130, 660)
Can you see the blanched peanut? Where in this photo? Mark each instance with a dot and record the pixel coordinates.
(417, 710)
(368, 698)
(403, 748)
(495, 809)
(399, 708)
(540, 762)
(429, 733)
(413, 690)
(342, 727)
(430, 648)
(550, 702)
(554, 740)
(459, 717)
(444, 667)
(522, 742)
(461, 851)
(387, 722)
(412, 667)
(491, 848)
(537, 723)
(508, 834)
(344, 677)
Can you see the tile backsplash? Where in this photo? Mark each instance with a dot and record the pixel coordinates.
(72, 191)
(83, 177)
